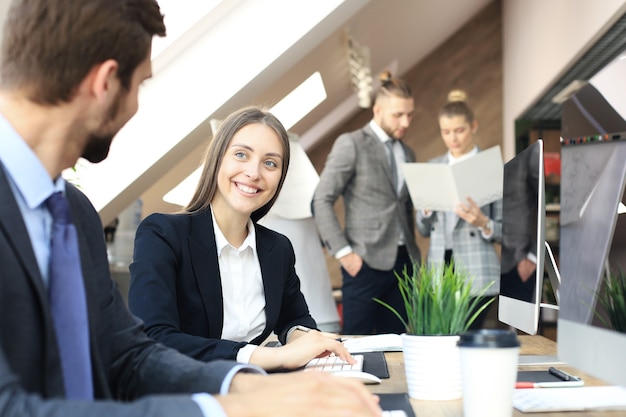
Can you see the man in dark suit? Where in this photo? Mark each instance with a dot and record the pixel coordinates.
(519, 225)
(69, 81)
(378, 238)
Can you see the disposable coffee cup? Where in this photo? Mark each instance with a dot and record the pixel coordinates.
(489, 359)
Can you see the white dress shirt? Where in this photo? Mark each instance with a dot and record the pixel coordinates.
(243, 293)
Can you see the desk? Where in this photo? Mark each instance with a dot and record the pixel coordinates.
(530, 345)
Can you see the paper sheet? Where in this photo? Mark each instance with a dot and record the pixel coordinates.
(537, 400)
(440, 187)
(376, 343)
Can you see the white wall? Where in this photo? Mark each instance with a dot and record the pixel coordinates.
(541, 40)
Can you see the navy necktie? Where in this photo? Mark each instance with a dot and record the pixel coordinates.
(66, 292)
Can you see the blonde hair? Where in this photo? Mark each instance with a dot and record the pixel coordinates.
(457, 106)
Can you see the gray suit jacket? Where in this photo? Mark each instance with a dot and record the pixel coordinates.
(357, 168)
(471, 250)
(126, 364)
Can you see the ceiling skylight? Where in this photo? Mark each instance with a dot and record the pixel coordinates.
(293, 107)
(180, 16)
(300, 101)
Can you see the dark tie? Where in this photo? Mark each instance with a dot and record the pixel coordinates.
(66, 291)
(393, 165)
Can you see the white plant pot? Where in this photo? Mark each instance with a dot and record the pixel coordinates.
(433, 368)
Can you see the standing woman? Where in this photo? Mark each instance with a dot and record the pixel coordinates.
(465, 236)
(211, 282)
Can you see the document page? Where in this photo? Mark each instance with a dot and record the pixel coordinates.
(440, 187)
(386, 342)
(538, 400)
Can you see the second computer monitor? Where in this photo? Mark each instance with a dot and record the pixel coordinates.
(523, 239)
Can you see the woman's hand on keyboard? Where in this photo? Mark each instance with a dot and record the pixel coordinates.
(300, 350)
(299, 394)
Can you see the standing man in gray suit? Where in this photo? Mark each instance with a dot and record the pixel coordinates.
(378, 238)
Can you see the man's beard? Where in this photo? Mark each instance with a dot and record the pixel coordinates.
(97, 148)
(390, 132)
(99, 143)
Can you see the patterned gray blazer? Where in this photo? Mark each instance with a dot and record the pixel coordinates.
(357, 168)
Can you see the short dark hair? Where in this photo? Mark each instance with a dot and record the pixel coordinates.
(49, 46)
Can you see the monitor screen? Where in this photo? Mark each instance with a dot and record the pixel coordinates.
(592, 233)
(592, 246)
(523, 239)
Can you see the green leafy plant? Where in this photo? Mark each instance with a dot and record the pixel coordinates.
(438, 301)
(613, 301)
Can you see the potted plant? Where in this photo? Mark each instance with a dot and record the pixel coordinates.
(613, 302)
(439, 305)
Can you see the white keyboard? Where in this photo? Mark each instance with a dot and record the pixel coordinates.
(334, 364)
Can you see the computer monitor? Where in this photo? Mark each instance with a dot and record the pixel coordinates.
(523, 240)
(592, 234)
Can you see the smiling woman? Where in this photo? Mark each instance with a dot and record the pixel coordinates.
(213, 283)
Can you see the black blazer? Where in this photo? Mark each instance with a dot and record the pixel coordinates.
(176, 287)
(126, 363)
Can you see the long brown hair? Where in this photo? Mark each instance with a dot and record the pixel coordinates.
(207, 186)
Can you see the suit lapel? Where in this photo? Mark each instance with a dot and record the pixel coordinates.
(86, 262)
(87, 267)
(14, 229)
(270, 273)
(203, 253)
(379, 149)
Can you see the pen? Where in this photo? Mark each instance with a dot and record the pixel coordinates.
(562, 374)
(342, 339)
(559, 384)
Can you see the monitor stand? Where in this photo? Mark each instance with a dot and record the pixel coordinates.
(555, 281)
(553, 275)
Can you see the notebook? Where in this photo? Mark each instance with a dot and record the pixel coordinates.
(375, 363)
(398, 401)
